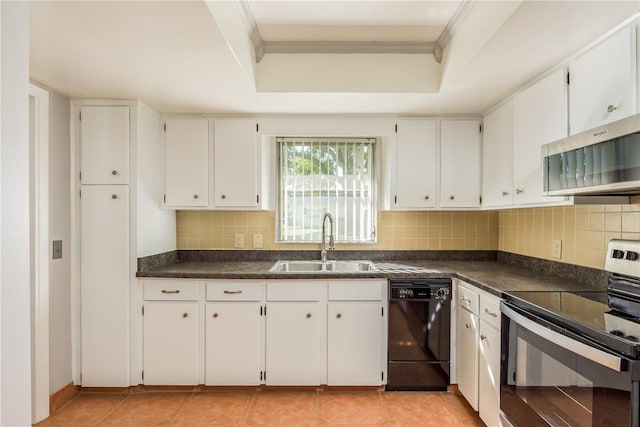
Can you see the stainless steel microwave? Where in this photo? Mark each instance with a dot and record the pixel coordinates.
(604, 160)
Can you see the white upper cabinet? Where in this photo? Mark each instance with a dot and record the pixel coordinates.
(539, 117)
(186, 162)
(602, 85)
(497, 157)
(416, 164)
(104, 145)
(236, 170)
(460, 163)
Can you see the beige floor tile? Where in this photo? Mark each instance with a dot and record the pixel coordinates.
(149, 409)
(284, 408)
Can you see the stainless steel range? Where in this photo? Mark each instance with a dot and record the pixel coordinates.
(573, 358)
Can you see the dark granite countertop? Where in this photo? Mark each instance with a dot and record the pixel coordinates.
(494, 277)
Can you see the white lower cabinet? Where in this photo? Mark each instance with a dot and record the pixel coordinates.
(171, 342)
(233, 343)
(478, 351)
(234, 333)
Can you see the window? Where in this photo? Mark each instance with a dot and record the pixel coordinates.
(318, 175)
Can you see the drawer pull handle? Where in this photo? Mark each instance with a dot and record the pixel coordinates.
(483, 337)
(465, 299)
(215, 315)
(177, 291)
(490, 313)
(233, 292)
(338, 316)
(308, 315)
(185, 315)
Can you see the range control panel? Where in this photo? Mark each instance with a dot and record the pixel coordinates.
(623, 257)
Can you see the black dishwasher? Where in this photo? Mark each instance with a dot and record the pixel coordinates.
(419, 334)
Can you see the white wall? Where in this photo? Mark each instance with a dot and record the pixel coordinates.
(59, 229)
(15, 322)
(156, 227)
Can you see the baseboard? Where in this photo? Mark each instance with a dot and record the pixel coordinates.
(63, 396)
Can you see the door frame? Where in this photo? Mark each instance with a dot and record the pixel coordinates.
(39, 165)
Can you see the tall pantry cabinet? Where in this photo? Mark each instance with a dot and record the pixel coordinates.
(116, 161)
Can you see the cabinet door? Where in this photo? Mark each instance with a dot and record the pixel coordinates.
(539, 117)
(171, 337)
(489, 375)
(294, 353)
(460, 163)
(104, 145)
(603, 83)
(467, 356)
(497, 157)
(233, 343)
(104, 285)
(187, 162)
(354, 342)
(416, 172)
(236, 164)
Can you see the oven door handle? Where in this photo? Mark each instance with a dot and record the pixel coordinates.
(595, 355)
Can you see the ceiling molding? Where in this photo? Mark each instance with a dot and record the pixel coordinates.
(293, 47)
(296, 47)
(453, 25)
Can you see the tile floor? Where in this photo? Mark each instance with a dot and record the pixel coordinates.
(267, 408)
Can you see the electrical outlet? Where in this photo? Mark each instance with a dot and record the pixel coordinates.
(557, 249)
(257, 241)
(239, 241)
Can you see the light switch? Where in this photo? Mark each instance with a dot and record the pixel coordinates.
(557, 249)
(257, 241)
(239, 241)
(57, 249)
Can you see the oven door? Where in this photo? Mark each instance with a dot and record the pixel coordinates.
(553, 377)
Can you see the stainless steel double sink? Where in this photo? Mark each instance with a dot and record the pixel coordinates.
(308, 266)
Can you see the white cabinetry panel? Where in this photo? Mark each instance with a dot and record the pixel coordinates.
(187, 162)
(489, 375)
(104, 144)
(171, 342)
(354, 341)
(236, 169)
(497, 157)
(416, 169)
(603, 82)
(104, 289)
(233, 349)
(539, 117)
(460, 163)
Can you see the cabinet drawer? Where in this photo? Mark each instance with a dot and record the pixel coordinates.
(232, 291)
(296, 291)
(490, 311)
(176, 291)
(355, 290)
(468, 299)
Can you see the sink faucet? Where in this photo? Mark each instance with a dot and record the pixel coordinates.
(323, 250)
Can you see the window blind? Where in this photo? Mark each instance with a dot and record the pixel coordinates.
(318, 175)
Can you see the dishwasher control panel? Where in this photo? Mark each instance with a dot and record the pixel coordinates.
(420, 290)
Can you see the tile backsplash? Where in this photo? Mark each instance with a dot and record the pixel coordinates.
(583, 230)
(441, 230)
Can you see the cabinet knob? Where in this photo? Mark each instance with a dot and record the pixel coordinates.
(338, 316)
(114, 196)
(114, 172)
(483, 337)
(519, 190)
(185, 315)
(308, 315)
(223, 196)
(195, 196)
(426, 197)
(611, 108)
(452, 197)
(466, 325)
(215, 315)
(505, 193)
